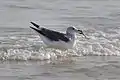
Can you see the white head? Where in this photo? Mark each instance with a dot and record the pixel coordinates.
(73, 31)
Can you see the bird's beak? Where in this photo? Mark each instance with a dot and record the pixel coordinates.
(81, 32)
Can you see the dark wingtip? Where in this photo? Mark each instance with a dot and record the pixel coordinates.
(35, 29)
(36, 25)
(30, 26)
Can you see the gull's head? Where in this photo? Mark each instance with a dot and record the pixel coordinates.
(73, 30)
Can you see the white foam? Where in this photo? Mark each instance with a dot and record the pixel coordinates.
(32, 48)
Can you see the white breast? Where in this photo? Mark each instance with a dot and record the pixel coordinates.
(58, 44)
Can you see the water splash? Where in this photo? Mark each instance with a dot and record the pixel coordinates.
(30, 47)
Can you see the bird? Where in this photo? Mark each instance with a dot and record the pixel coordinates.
(56, 39)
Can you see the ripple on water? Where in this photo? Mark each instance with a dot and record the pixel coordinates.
(104, 71)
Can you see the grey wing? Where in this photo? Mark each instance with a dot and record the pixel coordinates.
(50, 34)
(53, 35)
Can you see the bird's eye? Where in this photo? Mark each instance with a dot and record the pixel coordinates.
(73, 28)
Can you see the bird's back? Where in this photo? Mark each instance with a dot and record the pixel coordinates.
(53, 35)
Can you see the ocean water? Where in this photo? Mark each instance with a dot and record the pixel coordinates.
(23, 56)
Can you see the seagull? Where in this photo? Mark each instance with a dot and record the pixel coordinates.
(56, 39)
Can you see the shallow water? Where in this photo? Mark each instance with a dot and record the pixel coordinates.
(80, 68)
(24, 56)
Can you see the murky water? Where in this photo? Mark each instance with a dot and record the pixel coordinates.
(24, 56)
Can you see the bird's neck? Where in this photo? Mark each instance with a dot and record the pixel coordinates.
(71, 35)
